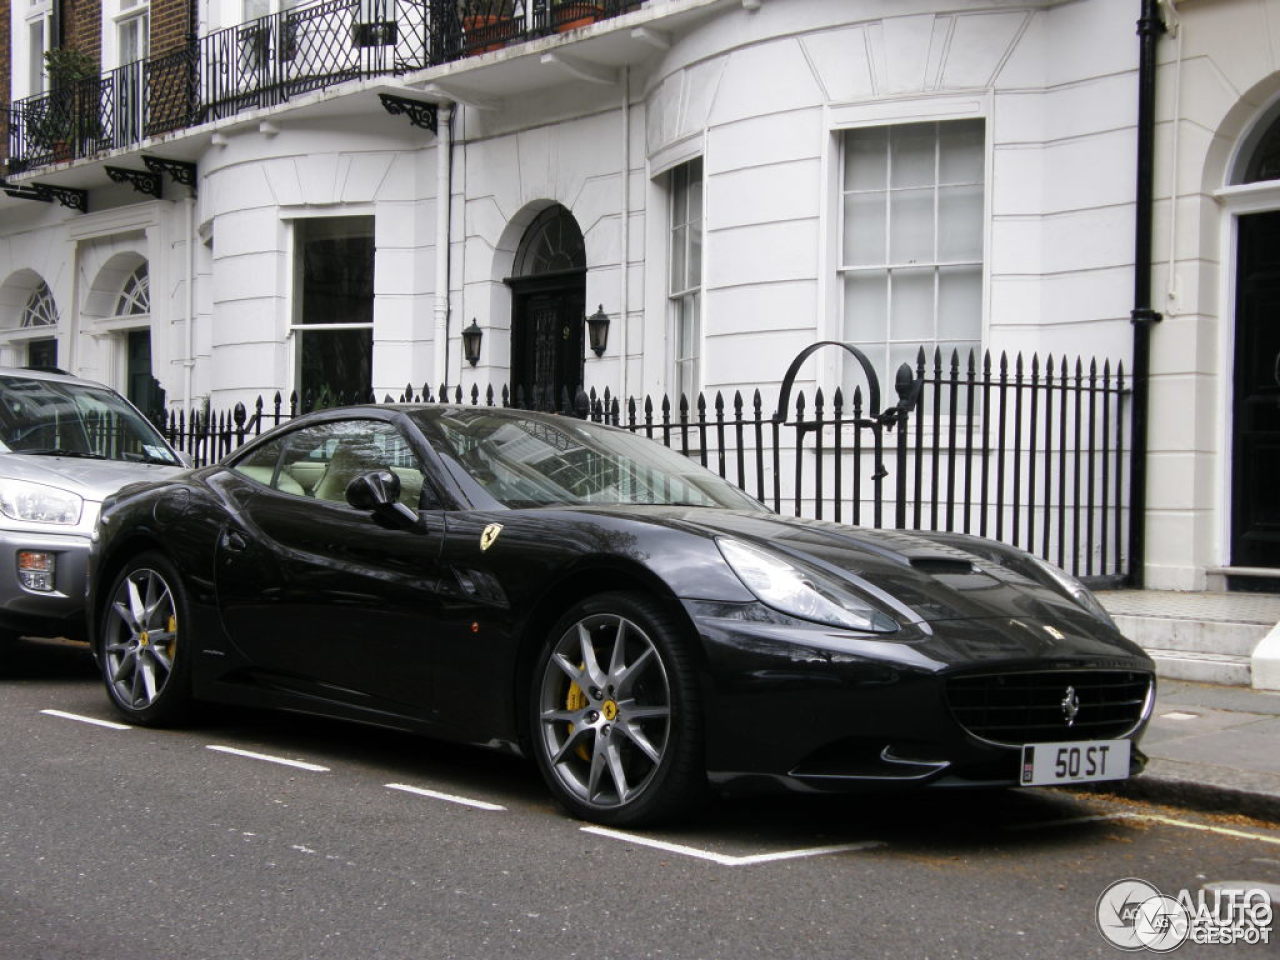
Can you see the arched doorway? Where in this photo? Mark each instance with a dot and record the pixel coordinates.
(548, 297)
(1255, 499)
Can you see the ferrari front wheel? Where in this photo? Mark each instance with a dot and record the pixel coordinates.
(140, 642)
(616, 728)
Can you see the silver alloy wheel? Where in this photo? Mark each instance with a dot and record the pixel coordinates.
(141, 638)
(605, 710)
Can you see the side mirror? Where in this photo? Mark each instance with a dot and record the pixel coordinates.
(378, 491)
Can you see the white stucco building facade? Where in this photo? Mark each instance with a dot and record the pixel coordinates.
(729, 181)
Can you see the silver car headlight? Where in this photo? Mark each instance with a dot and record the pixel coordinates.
(1077, 590)
(801, 591)
(22, 500)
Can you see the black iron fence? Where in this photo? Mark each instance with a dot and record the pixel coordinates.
(1027, 451)
(268, 61)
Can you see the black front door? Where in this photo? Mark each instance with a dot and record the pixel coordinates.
(1255, 528)
(546, 342)
(142, 389)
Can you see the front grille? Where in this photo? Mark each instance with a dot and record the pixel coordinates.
(1018, 708)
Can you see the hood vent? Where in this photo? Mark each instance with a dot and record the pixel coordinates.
(938, 566)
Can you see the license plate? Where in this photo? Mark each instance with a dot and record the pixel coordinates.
(1074, 762)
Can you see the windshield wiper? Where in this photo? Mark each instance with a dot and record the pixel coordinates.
(57, 452)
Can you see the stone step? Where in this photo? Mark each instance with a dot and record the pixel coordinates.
(1232, 670)
(1196, 636)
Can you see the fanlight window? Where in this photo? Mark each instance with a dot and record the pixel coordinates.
(135, 298)
(552, 243)
(40, 310)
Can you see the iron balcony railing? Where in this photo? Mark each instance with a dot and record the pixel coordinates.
(270, 60)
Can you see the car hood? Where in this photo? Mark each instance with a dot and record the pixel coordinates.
(90, 478)
(912, 577)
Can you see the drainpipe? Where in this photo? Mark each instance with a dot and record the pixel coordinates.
(626, 225)
(1143, 316)
(190, 362)
(444, 151)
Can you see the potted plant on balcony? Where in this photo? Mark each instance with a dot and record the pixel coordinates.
(487, 24)
(568, 14)
(67, 118)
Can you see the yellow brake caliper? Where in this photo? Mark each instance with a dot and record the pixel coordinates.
(576, 699)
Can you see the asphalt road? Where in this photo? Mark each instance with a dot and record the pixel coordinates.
(121, 843)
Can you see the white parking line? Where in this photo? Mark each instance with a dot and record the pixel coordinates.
(1150, 818)
(451, 798)
(93, 720)
(723, 858)
(300, 764)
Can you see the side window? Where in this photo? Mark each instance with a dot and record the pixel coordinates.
(261, 465)
(320, 461)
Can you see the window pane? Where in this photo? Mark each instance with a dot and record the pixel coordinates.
(678, 262)
(960, 148)
(688, 344)
(695, 254)
(960, 223)
(693, 210)
(960, 303)
(866, 305)
(864, 228)
(900, 353)
(911, 226)
(911, 316)
(337, 367)
(911, 154)
(337, 270)
(866, 159)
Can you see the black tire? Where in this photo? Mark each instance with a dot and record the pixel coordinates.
(144, 660)
(618, 739)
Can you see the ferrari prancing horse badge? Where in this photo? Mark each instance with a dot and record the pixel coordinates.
(489, 535)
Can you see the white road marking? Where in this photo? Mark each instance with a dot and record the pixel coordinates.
(724, 859)
(301, 765)
(110, 725)
(451, 798)
(1179, 715)
(1151, 818)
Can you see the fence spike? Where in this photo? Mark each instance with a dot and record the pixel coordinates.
(488, 396)
(475, 395)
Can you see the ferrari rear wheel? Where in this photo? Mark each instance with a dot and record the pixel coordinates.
(616, 726)
(140, 646)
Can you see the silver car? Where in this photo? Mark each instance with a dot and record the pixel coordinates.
(65, 444)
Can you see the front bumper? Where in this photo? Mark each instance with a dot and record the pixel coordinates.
(808, 708)
(56, 612)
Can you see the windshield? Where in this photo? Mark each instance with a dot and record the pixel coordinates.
(55, 418)
(539, 461)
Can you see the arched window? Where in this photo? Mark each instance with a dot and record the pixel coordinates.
(551, 244)
(40, 310)
(135, 296)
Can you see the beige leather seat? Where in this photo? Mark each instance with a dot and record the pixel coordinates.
(344, 466)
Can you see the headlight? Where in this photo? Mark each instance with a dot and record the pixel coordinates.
(801, 591)
(1077, 590)
(21, 500)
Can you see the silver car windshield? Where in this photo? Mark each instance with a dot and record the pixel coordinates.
(543, 461)
(53, 418)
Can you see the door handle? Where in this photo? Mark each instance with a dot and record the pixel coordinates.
(234, 542)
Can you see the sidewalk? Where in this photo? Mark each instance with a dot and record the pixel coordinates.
(1212, 747)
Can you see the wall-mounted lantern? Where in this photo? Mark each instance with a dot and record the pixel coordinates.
(598, 330)
(471, 338)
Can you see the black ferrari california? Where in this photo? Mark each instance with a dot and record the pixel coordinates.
(643, 628)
